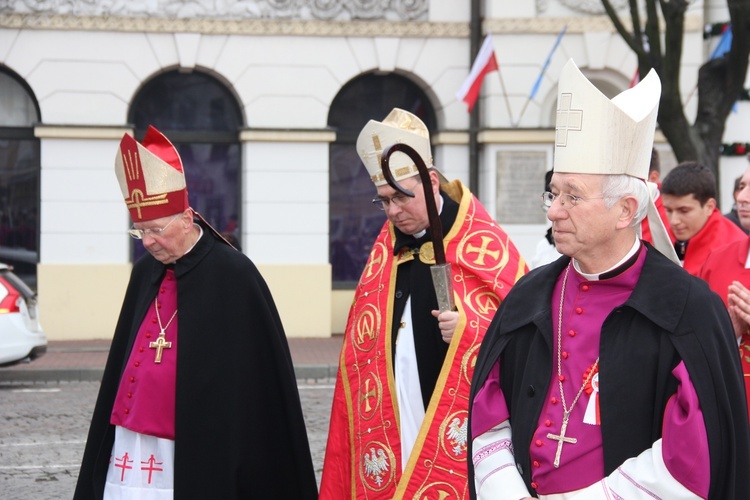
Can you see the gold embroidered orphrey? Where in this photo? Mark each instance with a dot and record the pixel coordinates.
(137, 198)
(161, 342)
(561, 438)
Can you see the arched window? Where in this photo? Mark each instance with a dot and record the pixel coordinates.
(20, 166)
(201, 117)
(354, 221)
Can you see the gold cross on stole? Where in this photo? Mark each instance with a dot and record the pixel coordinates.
(560, 438)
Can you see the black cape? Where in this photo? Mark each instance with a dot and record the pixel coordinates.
(239, 429)
(670, 317)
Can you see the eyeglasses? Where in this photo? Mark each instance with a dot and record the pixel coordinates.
(549, 198)
(139, 234)
(399, 199)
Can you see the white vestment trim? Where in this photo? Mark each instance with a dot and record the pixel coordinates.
(141, 467)
(408, 390)
(644, 477)
(495, 474)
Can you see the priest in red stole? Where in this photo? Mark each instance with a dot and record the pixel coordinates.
(611, 372)
(400, 408)
(727, 272)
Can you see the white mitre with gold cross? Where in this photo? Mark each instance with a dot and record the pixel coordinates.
(398, 127)
(596, 135)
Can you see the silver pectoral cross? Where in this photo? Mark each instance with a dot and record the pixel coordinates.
(560, 438)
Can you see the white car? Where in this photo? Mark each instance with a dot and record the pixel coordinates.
(21, 335)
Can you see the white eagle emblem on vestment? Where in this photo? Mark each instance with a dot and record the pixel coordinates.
(376, 464)
(457, 434)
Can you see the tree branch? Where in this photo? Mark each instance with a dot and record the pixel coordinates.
(635, 44)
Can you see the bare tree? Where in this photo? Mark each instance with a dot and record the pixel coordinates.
(720, 80)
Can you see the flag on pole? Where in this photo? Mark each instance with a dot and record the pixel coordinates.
(483, 64)
(538, 82)
(725, 43)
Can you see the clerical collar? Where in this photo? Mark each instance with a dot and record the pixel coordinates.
(615, 270)
(421, 233)
(200, 235)
(448, 211)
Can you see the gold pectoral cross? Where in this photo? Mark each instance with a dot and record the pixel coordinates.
(160, 344)
(560, 438)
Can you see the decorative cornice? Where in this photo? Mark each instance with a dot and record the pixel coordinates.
(453, 138)
(398, 10)
(516, 136)
(256, 27)
(287, 136)
(578, 25)
(80, 132)
(450, 138)
(356, 28)
(545, 136)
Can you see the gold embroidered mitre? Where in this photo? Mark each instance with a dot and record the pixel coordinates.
(398, 127)
(151, 176)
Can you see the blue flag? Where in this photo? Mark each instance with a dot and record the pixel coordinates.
(725, 43)
(538, 82)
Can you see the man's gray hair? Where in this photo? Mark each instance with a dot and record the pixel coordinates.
(617, 186)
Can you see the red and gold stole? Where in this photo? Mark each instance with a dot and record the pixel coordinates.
(485, 264)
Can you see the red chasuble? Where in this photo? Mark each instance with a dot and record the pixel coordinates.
(363, 454)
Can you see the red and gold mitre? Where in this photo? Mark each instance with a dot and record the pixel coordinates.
(151, 176)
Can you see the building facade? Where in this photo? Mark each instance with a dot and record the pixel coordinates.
(264, 99)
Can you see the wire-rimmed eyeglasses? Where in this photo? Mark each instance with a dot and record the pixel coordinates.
(398, 199)
(139, 234)
(565, 198)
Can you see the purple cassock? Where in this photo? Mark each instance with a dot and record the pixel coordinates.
(586, 305)
(145, 401)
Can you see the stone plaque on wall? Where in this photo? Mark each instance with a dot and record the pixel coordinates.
(520, 183)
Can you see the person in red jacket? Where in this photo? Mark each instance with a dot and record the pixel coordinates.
(689, 197)
(727, 272)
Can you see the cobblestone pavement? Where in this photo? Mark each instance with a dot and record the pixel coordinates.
(43, 431)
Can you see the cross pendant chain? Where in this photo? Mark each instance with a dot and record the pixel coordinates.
(560, 438)
(160, 344)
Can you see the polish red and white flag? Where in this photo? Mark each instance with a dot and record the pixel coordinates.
(483, 64)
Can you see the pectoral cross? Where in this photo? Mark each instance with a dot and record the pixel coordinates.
(160, 344)
(560, 438)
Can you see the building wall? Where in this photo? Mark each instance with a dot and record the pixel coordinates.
(85, 74)
(85, 70)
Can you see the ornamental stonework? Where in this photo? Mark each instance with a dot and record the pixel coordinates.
(583, 6)
(393, 10)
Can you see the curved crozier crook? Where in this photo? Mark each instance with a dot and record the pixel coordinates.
(436, 227)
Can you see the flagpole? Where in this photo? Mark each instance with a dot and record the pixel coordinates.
(507, 100)
(523, 110)
(475, 36)
(538, 81)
